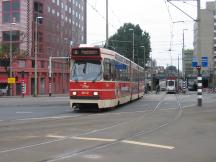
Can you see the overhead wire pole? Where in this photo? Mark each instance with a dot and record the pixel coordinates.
(107, 25)
(199, 54)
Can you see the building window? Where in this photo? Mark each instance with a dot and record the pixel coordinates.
(42, 64)
(15, 35)
(38, 7)
(11, 11)
(21, 64)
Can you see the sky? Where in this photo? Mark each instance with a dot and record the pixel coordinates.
(157, 17)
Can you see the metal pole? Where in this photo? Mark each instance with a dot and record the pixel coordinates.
(178, 76)
(107, 24)
(199, 54)
(50, 76)
(10, 56)
(183, 70)
(199, 87)
(133, 45)
(36, 52)
(151, 74)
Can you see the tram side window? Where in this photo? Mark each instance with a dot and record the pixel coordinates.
(107, 69)
(113, 70)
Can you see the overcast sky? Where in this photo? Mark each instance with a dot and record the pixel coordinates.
(153, 16)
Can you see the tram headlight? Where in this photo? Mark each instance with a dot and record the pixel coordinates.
(95, 93)
(74, 93)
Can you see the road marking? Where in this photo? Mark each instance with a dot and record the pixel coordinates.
(30, 146)
(125, 141)
(23, 112)
(94, 139)
(53, 117)
(148, 144)
(55, 136)
(113, 140)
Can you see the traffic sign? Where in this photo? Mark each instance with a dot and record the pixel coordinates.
(194, 62)
(11, 80)
(205, 61)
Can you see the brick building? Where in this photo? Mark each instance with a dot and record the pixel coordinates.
(51, 26)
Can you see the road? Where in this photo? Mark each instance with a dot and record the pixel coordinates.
(162, 127)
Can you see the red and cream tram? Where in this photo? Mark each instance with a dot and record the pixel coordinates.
(101, 78)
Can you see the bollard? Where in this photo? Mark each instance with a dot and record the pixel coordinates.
(199, 86)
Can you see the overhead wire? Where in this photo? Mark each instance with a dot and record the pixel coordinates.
(101, 15)
(171, 29)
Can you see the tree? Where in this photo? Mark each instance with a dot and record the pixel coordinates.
(4, 57)
(122, 42)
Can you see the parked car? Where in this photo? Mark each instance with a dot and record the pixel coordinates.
(3, 89)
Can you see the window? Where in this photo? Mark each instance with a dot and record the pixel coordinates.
(11, 11)
(42, 64)
(15, 35)
(107, 69)
(21, 63)
(38, 7)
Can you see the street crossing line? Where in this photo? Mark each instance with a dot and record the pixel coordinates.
(148, 144)
(113, 140)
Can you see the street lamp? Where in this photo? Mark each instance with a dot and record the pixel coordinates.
(36, 52)
(183, 44)
(144, 61)
(131, 29)
(11, 55)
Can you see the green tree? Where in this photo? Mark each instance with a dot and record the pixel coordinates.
(4, 56)
(122, 42)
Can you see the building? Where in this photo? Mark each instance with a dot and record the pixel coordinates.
(187, 63)
(40, 28)
(207, 41)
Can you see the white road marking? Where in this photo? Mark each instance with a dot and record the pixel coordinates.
(30, 146)
(148, 144)
(113, 140)
(53, 117)
(94, 139)
(55, 136)
(23, 112)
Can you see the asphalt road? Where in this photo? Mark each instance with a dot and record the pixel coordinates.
(163, 128)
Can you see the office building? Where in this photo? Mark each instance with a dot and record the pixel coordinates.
(40, 28)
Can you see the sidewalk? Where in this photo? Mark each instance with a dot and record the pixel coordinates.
(41, 100)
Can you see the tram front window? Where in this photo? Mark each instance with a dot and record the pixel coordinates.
(89, 70)
(170, 83)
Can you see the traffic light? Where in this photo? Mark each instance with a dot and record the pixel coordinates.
(198, 67)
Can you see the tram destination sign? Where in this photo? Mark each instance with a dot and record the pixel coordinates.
(86, 51)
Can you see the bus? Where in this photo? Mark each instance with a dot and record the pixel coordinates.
(101, 79)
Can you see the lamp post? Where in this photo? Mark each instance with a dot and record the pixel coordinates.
(183, 44)
(143, 61)
(11, 56)
(133, 43)
(36, 53)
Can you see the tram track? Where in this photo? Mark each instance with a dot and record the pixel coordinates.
(106, 144)
(117, 141)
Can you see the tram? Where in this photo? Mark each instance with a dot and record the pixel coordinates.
(171, 85)
(101, 79)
